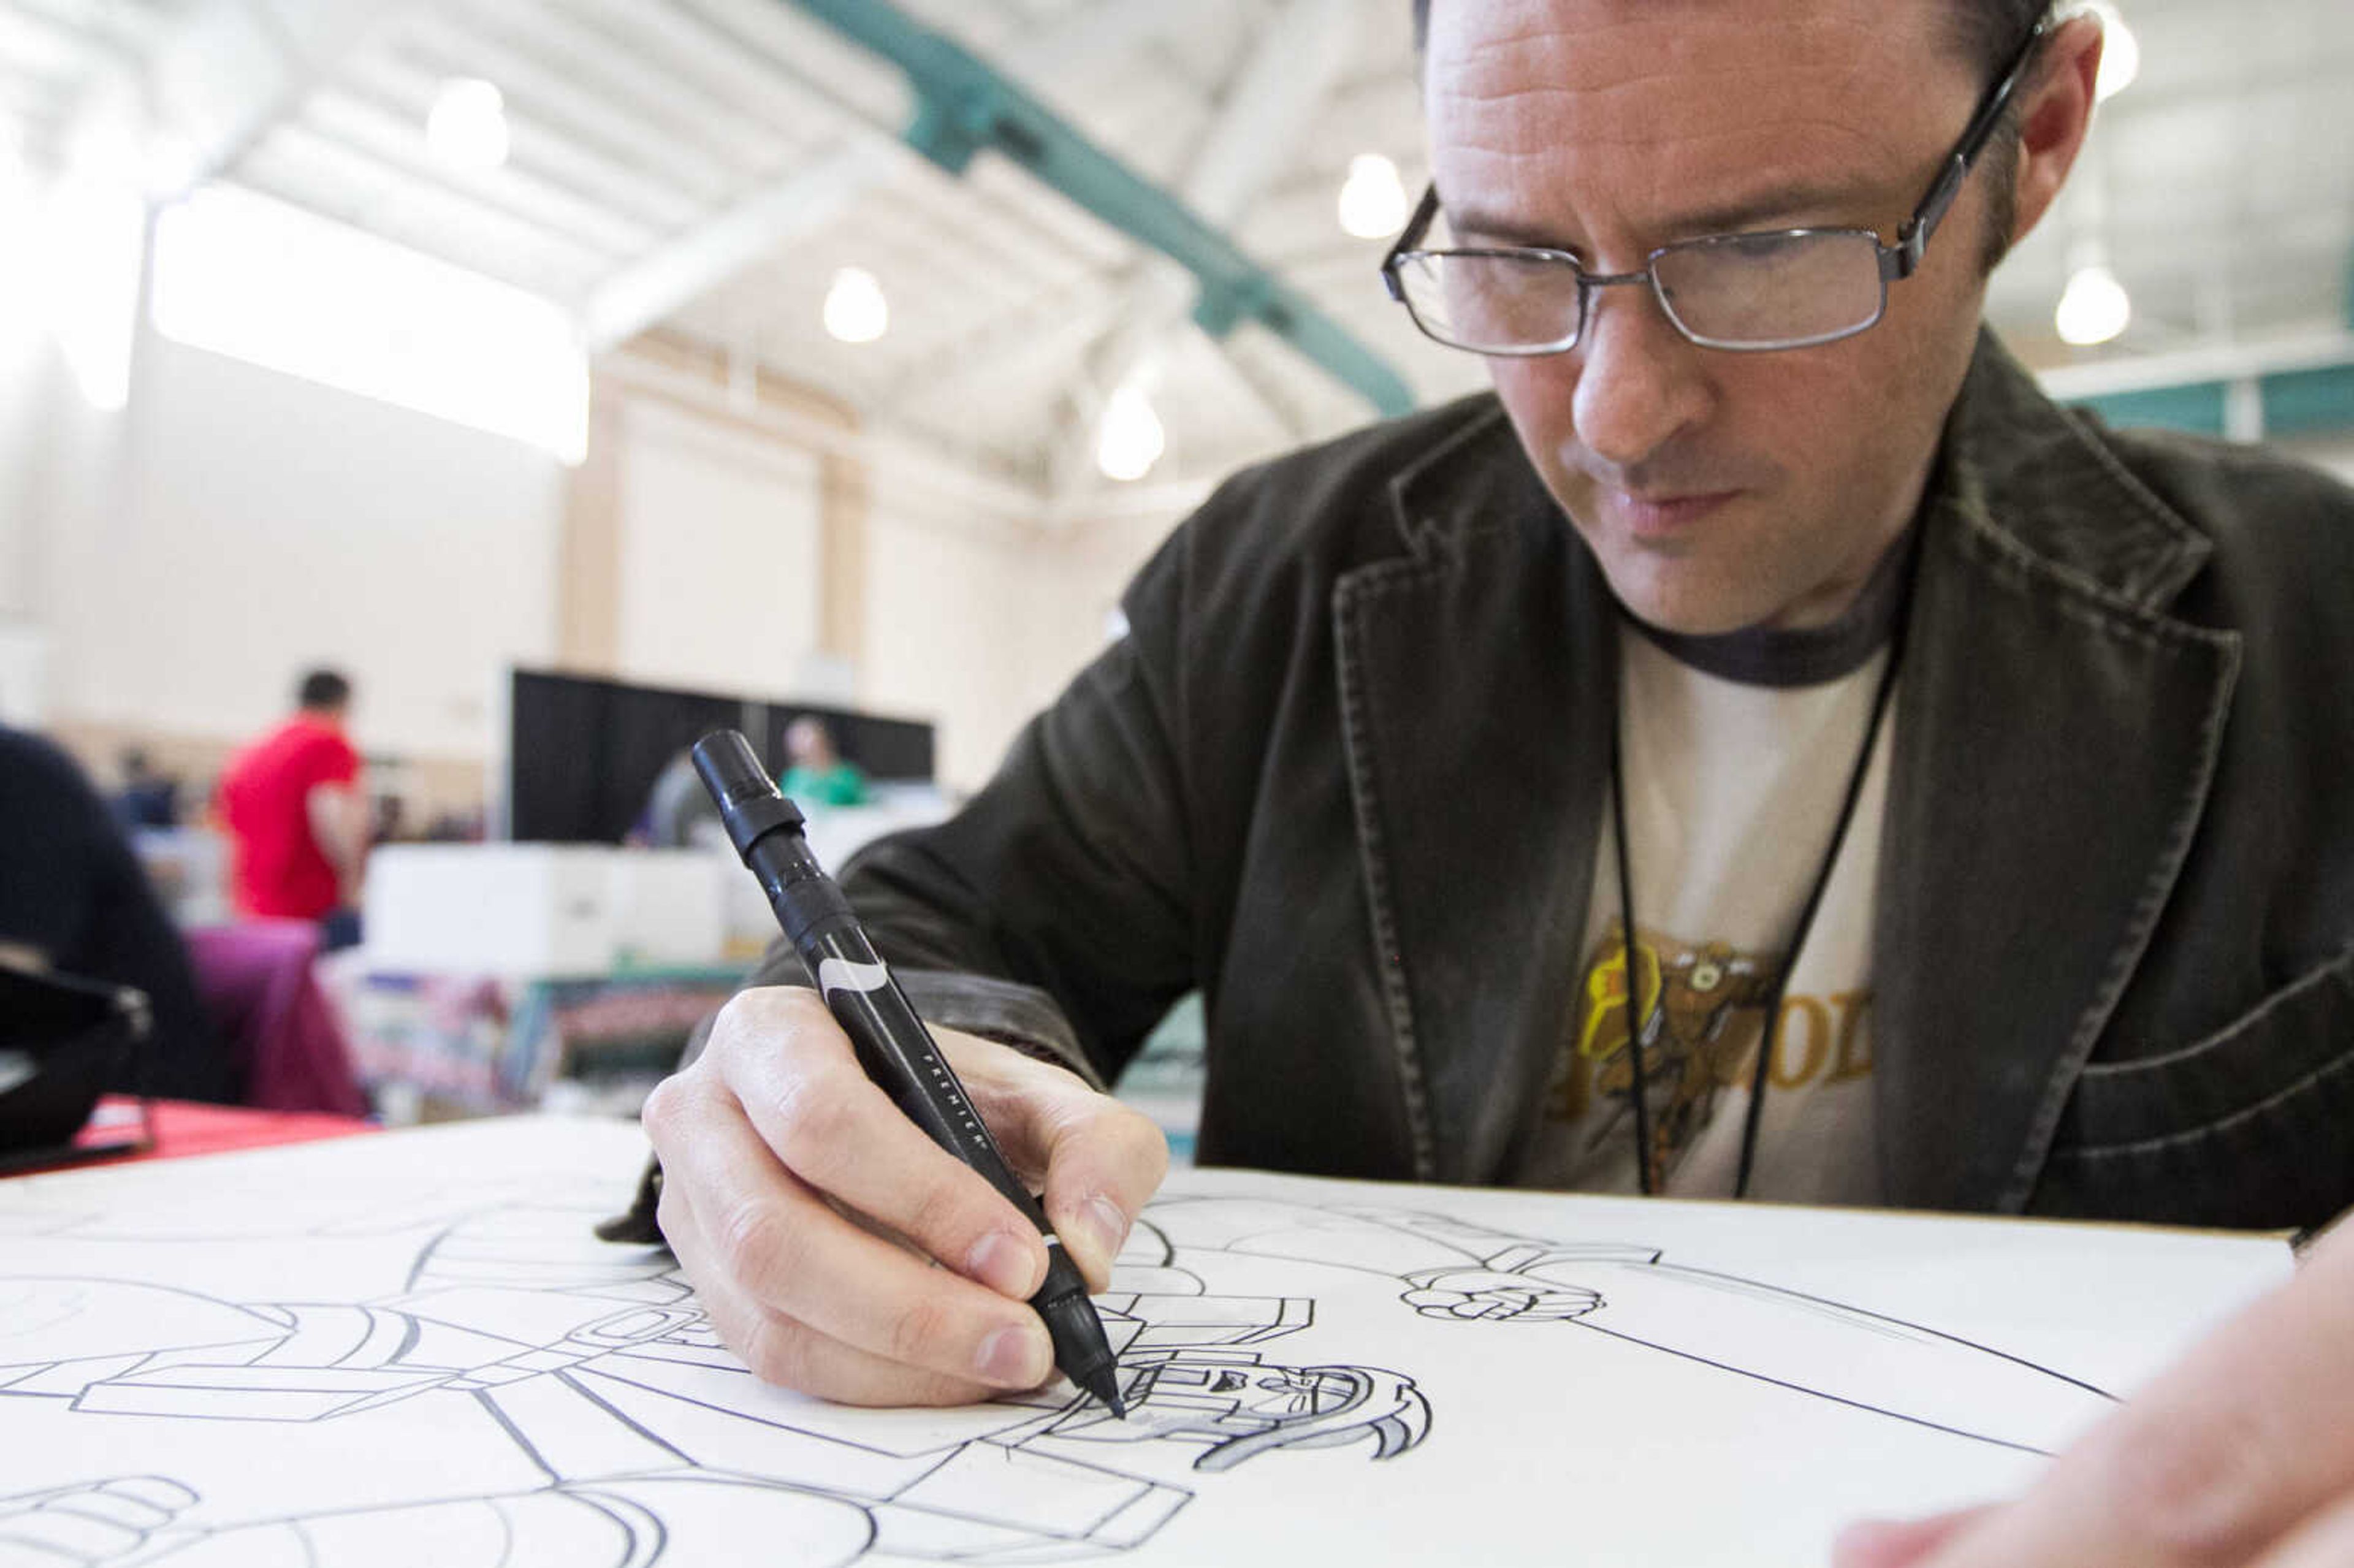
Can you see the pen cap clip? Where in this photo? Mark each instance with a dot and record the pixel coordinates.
(750, 804)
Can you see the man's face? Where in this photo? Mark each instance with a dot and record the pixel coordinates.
(1718, 490)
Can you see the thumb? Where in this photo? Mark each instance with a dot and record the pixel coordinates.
(1898, 1543)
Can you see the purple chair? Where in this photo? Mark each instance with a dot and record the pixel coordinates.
(255, 981)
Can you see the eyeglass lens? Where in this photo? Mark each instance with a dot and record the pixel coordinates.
(1759, 290)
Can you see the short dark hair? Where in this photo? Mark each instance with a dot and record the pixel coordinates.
(322, 689)
(1984, 33)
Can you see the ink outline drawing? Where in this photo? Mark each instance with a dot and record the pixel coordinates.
(655, 1446)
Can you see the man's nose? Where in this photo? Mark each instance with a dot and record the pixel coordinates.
(1639, 381)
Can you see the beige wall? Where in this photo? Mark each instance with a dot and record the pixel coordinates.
(188, 557)
(197, 550)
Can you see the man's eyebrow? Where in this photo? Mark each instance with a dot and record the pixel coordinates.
(1780, 203)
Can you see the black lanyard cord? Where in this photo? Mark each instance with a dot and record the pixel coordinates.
(1643, 1031)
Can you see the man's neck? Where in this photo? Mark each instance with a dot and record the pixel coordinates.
(1779, 654)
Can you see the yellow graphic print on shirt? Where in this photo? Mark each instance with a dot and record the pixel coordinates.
(1701, 1006)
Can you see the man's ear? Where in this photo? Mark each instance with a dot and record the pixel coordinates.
(2053, 120)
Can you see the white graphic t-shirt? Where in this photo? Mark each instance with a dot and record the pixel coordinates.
(1735, 774)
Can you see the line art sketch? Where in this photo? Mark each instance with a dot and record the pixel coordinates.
(631, 1437)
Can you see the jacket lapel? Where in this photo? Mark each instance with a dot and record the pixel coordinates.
(1475, 716)
(2056, 736)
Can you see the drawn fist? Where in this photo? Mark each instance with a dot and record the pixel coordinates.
(1485, 1293)
(83, 1526)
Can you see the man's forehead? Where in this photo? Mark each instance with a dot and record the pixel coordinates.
(1689, 108)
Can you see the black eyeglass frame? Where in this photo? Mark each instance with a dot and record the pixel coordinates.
(1899, 261)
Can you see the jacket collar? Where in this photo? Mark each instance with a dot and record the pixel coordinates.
(2057, 738)
(1475, 473)
(2036, 476)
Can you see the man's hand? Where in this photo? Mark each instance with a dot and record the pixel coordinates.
(806, 1207)
(2242, 1455)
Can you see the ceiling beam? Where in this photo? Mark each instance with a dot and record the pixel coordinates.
(683, 269)
(1289, 69)
(2197, 366)
(225, 72)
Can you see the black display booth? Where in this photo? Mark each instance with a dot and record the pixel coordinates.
(583, 752)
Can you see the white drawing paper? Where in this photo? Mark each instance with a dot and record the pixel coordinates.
(408, 1348)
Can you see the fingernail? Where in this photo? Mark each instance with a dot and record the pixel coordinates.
(1104, 1227)
(1016, 1358)
(1003, 1264)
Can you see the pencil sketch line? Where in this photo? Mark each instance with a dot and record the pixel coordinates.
(571, 1378)
(407, 1340)
(1841, 1308)
(1815, 1392)
(482, 1397)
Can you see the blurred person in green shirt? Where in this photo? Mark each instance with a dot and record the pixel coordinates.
(816, 775)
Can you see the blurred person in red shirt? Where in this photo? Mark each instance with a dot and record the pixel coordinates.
(297, 816)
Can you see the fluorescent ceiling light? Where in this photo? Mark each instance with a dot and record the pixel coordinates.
(467, 126)
(1129, 440)
(2094, 309)
(273, 285)
(856, 310)
(1372, 200)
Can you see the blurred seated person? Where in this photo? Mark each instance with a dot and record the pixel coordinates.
(679, 812)
(816, 775)
(74, 900)
(146, 798)
(298, 818)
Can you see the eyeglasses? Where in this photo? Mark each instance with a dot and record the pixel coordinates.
(1791, 287)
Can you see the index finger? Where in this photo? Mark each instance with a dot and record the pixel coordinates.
(1098, 1160)
(2221, 1456)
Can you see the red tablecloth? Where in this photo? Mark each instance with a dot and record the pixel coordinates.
(184, 1127)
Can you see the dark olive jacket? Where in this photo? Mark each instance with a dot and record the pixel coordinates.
(1345, 772)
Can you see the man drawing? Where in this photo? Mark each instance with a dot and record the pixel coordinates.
(1766, 604)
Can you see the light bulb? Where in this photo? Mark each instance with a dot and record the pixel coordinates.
(2120, 53)
(2094, 307)
(856, 310)
(1372, 200)
(467, 126)
(1129, 440)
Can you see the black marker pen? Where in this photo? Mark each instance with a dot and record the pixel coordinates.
(892, 1045)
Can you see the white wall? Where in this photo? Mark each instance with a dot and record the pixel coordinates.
(28, 380)
(946, 601)
(719, 555)
(978, 630)
(234, 524)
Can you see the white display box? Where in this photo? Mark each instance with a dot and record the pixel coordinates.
(672, 905)
(539, 910)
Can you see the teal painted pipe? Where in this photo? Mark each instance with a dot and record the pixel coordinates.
(2198, 407)
(2296, 402)
(964, 105)
(2306, 402)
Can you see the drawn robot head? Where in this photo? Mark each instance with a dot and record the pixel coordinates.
(1243, 1407)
